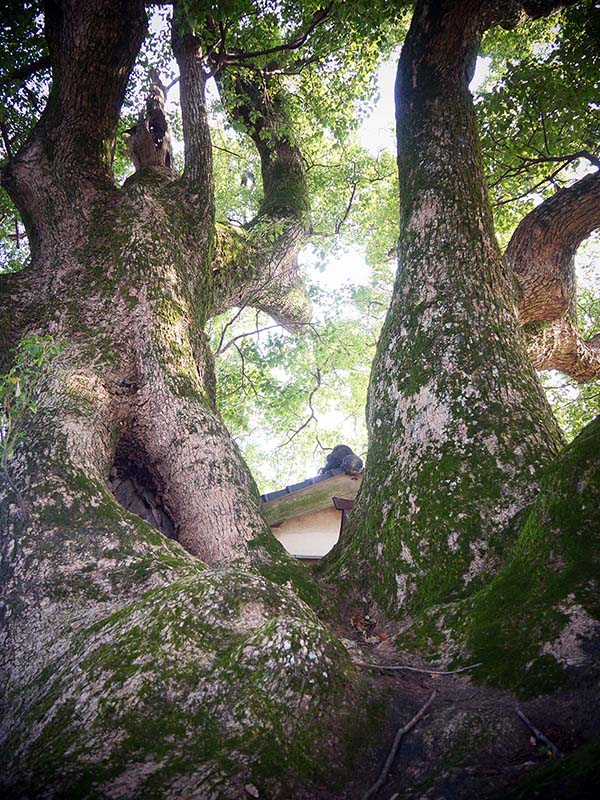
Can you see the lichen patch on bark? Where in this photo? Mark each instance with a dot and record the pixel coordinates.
(580, 634)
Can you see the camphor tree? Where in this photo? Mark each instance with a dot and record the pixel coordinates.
(472, 523)
(182, 657)
(188, 629)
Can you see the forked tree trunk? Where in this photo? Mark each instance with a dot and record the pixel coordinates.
(129, 402)
(128, 665)
(125, 297)
(459, 428)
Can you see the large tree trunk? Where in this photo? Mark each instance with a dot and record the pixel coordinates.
(541, 255)
(126, 295)
(113, 630)
(459, 429)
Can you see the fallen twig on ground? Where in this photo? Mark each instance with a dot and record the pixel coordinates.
(417, 669)
(394, 749)
(552, 748)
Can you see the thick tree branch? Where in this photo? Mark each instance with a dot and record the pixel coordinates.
(559, 345)
(92, 49)
(541, 8)
(510, 13)
(540, 252)
(257, 266)
(541, 256)
(197, 145)
(219, 57)
(261, 109)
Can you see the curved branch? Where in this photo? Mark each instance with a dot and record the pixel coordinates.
(224, 346)
(541, 256)
(542, 8)
(525, 162)
(258, 265)
(312, 416)
(540, 252)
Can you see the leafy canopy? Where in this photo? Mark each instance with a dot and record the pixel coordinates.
(285, 397)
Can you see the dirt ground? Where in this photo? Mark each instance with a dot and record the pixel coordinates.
(471, 743)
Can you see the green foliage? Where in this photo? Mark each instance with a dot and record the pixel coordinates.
(328, 83)
(19, 390)
(574, 405)
(325, 62)
(286, 398)
(236, 170)
(354, 206)
(538, 112)
(22, 96)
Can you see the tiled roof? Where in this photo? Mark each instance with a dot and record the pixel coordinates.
(295, 487)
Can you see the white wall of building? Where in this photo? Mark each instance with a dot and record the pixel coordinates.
(310, 535)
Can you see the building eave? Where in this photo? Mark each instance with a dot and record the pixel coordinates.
(313, 494)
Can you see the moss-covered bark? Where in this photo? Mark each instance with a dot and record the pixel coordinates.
(205, 684)
(536, 626)
(459, 429)
(129, 668)
(576, 776)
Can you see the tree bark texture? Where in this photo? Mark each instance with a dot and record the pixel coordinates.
(541, 256)
(459, 428)
(536, 626)
(129, 668)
